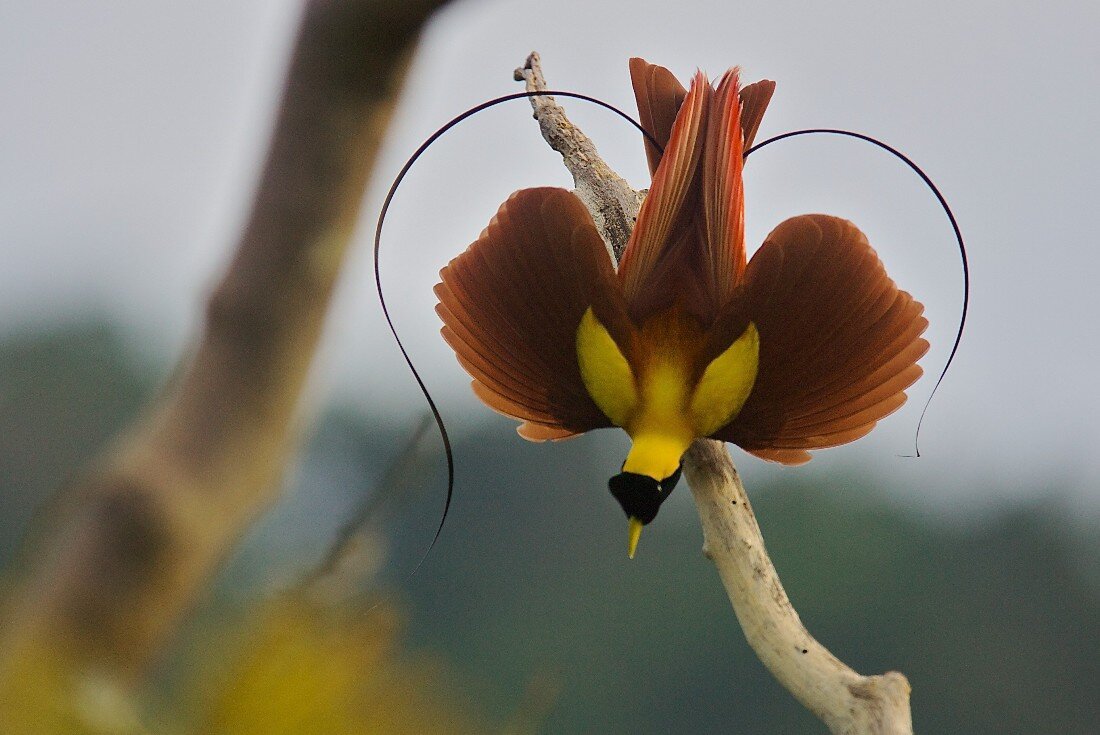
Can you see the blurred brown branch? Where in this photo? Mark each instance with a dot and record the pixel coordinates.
(358, 551)
(128, 547)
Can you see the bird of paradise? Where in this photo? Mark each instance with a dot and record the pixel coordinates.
(805, 346)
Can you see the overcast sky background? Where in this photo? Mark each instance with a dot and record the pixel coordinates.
(132, 132)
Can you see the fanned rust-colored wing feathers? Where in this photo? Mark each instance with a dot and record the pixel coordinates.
(511, 305)
(723, 192)
(754, 101)
(661, 256)
(835, 344)
(838, 340)
(688, 243)
(659, 95)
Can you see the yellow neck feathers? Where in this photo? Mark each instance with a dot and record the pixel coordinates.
(656, 396)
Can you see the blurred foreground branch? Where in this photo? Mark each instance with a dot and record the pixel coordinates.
(844, 700)
(357, 553)
(128, 547)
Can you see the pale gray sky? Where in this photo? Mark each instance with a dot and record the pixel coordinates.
(132, 131)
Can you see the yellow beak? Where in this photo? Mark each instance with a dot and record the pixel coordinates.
(635, 534)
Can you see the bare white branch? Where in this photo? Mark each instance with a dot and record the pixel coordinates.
(612, 202)
(844, 700)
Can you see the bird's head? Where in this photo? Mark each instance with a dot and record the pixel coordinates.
(640, 497)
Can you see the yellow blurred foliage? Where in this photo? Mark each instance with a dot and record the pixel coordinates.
(304, 668)
(45, 692)
(308, 668)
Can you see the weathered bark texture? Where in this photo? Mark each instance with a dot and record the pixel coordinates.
(612, 202)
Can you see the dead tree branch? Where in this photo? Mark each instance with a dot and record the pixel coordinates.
(611, 200)
(844, 700)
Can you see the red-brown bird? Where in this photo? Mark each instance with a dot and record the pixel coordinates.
(806, 346)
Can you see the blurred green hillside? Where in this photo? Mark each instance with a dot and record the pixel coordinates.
(529, 593)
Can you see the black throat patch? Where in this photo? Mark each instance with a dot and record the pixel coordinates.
(640, 495)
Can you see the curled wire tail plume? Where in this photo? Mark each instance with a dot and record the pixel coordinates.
(954, 226)
(443, 435)
(440, 424)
